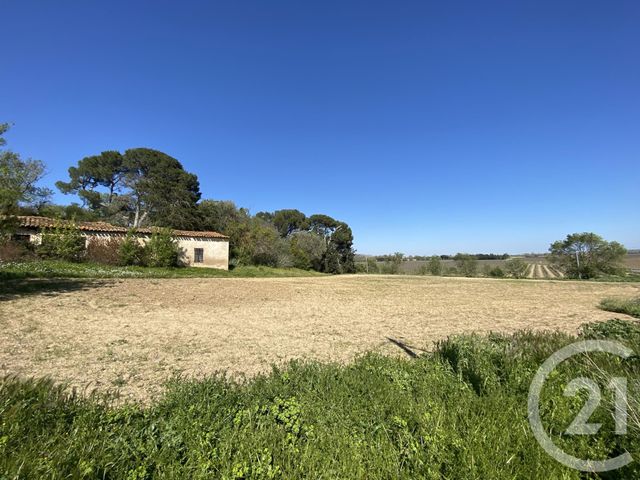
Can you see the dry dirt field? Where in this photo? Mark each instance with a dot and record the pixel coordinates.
(132, 335)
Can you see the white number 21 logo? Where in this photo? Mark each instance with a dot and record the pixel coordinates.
(580, 425)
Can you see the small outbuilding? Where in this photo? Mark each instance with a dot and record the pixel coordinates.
(198, 249)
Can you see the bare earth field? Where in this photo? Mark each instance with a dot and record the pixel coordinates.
(134, 334)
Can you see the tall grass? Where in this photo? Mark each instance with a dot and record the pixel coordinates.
(630, 306)
(460, 412)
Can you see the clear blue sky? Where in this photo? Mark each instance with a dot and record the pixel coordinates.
(430, 127)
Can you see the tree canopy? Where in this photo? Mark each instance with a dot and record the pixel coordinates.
(140, 187)
(18, 183)
(285, 237)
(586, 255)
(288, 221)
(3, 129)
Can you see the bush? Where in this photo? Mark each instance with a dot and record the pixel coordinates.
(496, 272)
(435, 265)
(307, 250)
(372, 265)
(162, 250)
(260, 244)
(130, 252)
(516, 267)
(467, 264)
(62, 242)
(8, 224)
(104, 250)
(614, 329)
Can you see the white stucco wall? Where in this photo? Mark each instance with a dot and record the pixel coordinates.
(34, 236)
(215, 250)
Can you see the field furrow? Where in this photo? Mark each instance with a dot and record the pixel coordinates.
(531, 270)
(548, 272)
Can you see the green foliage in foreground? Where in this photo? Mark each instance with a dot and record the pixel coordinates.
(64, 242)
(630, 306)
(460, 412)
(60, 269)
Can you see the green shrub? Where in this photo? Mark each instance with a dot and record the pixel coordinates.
(130, 252)
(63, 242)
(162, 250)
(615, 329)
(307, 250)
(467, 264)
(8, 223)
(261, 245)
(496, 272)
(435, 265)
(630, 306)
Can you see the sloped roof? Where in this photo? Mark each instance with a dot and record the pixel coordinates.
(104, 227)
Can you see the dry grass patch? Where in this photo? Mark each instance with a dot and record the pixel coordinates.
(134, 334)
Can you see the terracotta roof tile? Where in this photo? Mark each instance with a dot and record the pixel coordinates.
(43, 222)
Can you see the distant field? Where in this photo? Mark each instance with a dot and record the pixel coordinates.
(413, 267)
(633, 261)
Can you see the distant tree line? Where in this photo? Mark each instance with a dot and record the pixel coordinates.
(423, 258)
(145, 187)
(580, 255)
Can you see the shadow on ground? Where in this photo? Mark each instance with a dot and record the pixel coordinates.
(408, 349)
(17, 288)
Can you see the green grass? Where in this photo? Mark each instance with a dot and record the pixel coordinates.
(630, 306)
(460, 412)
(629, 277)
(60, 269)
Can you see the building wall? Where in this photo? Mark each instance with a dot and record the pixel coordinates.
(215, 250)
(34, 236)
